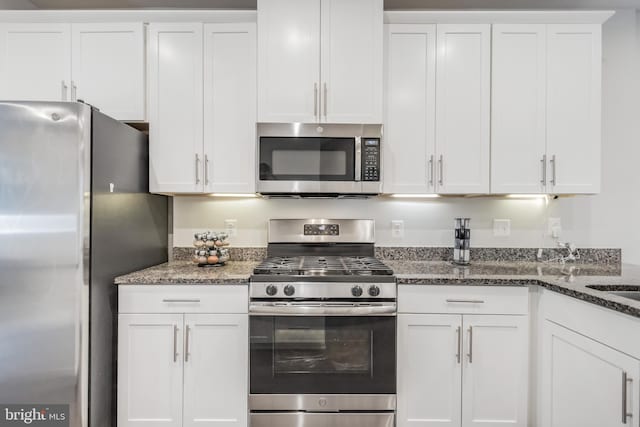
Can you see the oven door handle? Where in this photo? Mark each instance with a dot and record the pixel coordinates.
(256, 309)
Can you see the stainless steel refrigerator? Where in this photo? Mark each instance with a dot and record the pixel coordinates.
(74, 213)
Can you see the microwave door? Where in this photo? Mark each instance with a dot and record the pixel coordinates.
(308, 165)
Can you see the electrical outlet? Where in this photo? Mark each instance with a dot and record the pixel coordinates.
(554, 227)
(397, 229)
(231, 226)
(501, 227)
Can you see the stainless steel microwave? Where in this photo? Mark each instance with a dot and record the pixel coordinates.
(319, 159)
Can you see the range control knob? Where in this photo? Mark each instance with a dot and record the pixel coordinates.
(272, 290)
(374, 291)
(289, 290)
(356, 291)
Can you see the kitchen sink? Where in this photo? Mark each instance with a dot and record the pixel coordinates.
(628, 294)
(625, 291)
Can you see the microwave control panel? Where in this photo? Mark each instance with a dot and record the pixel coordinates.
(371, 159)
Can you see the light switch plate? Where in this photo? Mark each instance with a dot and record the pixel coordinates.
(501, 227)
(231, 227)
(397, 229)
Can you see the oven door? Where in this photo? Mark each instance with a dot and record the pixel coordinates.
(319, 355)
(309, 165)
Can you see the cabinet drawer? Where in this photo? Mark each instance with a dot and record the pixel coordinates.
(463, 299)
(183, 299)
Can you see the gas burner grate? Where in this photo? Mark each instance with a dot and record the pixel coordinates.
(323, 265)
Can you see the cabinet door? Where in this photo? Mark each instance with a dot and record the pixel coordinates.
(175, 108)
(35, 62)
(288, 61)
(462, 108)
(216, 370)
(108, 68)
(518, 137)
(494, 375)
(583, 382)
(150, 370)
(409, 145)
(352, 44)
(573, 107)
(429, 370)
(229, 108)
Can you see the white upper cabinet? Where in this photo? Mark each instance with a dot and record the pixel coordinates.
(202, 108)
(288, 60)
(546, 109)
(108, 68)
(574, 108)
(35, 62)
(409, 145)
(101, 64)
(463, 84)
(175, 108)
(320, 61)
(229, 108)
(518, 140)
(352, 45)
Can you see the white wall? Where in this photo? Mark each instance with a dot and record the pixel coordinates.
(16, 4)
(605, 220)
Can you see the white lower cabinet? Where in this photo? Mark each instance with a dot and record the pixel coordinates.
(586, 383)
(429, 375)
(183, 369)
(149, 370)
(458, 369)
(216, 361)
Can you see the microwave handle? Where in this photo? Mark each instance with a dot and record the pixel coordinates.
(358, 171)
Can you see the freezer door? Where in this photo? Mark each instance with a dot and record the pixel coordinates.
(44, 187)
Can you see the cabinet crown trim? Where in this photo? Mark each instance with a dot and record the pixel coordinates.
(497, 17)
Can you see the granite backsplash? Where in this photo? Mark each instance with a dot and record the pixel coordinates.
(587, 255)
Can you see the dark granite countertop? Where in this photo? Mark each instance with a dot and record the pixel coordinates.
(186, 272)
(569, 279)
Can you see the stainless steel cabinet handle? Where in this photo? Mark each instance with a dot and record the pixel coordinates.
(431, 174)
(625, 380)
(553, 169)
(206, 169)
(467, 301)
(315, 101)
(74, 91)
(325, 100)
(64, 90)
(459, 335)
(181, 300)
(441, 162)
(197, 169)
(544, 170)
(187, 351)
(358, 168)
(470, 344)
(175, 343)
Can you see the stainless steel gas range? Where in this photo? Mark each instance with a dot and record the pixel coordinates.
(322, 328)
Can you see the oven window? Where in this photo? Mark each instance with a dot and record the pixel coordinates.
(332, 354)
(321, 350)
(307, 159)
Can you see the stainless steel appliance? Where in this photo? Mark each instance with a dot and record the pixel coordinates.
(326, 159)
(322, 328)
(74, 213)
